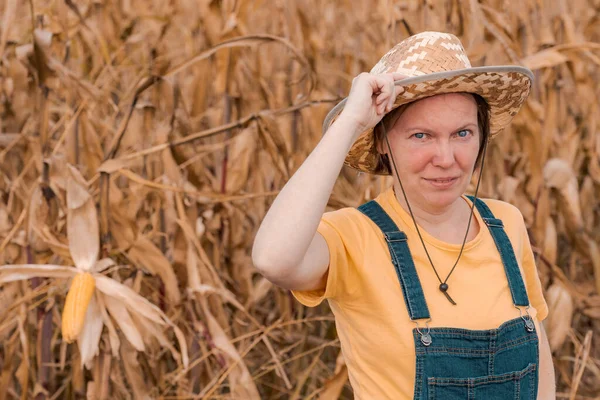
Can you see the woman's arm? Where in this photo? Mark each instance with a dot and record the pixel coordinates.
(287, 249)
(547, 382)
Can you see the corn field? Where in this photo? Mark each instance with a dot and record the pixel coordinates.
(142, 141)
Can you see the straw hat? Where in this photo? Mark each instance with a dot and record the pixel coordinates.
(436, 63)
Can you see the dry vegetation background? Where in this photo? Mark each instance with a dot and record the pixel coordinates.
(143, 140)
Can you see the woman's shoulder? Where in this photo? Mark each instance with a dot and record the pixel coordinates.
(346, 217)
(510, 215)
(502, 209)
(350, 222)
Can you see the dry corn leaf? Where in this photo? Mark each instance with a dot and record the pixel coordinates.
(240, 381)
(559, 175)
(259, 291)
(123, 320)
(10, 6)
(22, 372)
(333, 387)
(135, 378)
(129, 298)
(149, 329)
(587, 196)
(89, 338)
(11, 273)
(550, 249)
(242, 42)
(113, 337)
(41, 47)
(142, 307)
(113, 165)
(8, 295)
(544, 59)
(146, 255)
(274, 144)
(594, 253)
(40, 215)
(592, 312)
(6, 376)
(82, 223)
(241, 152)
(542, 214)
(558, 323)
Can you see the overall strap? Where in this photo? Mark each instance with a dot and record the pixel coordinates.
(507, 254)
(401, 259)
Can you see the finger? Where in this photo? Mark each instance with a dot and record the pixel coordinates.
(386, 88)
(387, 95)
(392, 94)
(392, 99)
(385, 98)
(377, 84)
(380, 90)
(382, 101)
(397, 76)
(380, 98)
(382, 106)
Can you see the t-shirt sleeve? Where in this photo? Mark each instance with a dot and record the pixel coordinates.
(341, 232)
(532, 279)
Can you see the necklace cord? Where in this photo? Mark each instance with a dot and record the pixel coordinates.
(444, 282)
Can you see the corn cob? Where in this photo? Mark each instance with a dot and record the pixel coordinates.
(76, 304)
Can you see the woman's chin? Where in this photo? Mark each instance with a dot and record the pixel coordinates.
(444, 198)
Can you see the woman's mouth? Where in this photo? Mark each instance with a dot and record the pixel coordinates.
(442, 183)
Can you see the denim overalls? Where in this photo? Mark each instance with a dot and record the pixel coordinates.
(454, 363)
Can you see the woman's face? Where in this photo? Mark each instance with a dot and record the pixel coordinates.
(435, 142)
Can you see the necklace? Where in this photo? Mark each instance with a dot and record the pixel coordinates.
(443, 283)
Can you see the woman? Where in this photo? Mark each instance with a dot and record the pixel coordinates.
(435, 294)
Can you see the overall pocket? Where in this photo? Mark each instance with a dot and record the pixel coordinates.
(519, 385)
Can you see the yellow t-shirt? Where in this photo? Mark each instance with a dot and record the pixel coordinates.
(364, 293)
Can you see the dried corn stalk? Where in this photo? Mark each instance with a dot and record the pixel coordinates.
(182, 120)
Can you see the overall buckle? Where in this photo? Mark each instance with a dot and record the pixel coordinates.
(425, 335)
(529, 325)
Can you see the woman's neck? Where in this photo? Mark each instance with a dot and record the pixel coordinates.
(429, 214)
(447, 224)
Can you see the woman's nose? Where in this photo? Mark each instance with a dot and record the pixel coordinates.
(444, 155)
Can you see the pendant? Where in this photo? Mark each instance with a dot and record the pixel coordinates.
(444, 289)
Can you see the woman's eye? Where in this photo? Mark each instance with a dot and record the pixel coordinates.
(463, 133)
(419, 135)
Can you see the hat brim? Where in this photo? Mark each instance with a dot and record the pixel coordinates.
(504, 88)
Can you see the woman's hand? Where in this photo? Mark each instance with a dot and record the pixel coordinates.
(371, 97)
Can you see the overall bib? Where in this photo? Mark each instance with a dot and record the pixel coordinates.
(453, 363)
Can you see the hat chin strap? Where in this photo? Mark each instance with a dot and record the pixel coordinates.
(443, 283)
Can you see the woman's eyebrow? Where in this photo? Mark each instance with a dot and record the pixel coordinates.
(467, 126)
(425, 129)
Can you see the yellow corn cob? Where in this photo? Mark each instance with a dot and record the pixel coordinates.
(76, 304)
